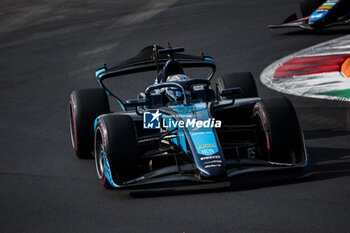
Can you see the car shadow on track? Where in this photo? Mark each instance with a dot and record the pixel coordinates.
(328, 163)
(325, 133)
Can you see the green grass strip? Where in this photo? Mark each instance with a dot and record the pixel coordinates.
(338, 93)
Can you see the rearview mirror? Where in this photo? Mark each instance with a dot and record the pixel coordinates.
(136, 102)
(231, 92)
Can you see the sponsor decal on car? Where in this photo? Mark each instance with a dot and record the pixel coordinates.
(317, 16)
(207, 151)
(211, 157)
(206, 145)
(323, 10)
(212, 161)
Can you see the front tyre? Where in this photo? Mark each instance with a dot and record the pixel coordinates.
(84, 106)
(116, 150)
(279, 135)
(244, 80)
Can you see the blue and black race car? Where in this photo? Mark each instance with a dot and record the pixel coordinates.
(318, 14)
(180, 129)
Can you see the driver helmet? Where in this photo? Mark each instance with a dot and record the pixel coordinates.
(172, 92)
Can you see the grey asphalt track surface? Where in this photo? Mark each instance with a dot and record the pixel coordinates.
(49, 48)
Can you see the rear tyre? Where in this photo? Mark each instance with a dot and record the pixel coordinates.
(309, 6)
(116, 150)
(279, 134)
(84, 106)
(244, 80)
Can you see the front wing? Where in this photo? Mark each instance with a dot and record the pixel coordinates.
(303, 23)
(174, 175)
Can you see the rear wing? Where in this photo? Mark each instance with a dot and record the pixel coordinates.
(146, 61)
(150, 58)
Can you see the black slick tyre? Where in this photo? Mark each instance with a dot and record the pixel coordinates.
(116, 149)
(84, 106)
(279, 134)
(244, 80)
